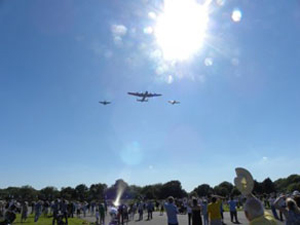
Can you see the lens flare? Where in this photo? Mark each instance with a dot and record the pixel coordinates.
(208, 62)
(132, 154)
(120, 190)
(236, 15)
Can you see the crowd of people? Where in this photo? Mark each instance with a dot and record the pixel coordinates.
(59, 210)
(253, 207)
(199, 211)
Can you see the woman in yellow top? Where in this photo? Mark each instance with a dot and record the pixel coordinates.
(214, 210)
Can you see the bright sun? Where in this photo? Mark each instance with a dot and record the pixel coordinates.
(180, 29)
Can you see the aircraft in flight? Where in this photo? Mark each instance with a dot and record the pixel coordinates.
(144, 95)
(104, 102)
(173, 102)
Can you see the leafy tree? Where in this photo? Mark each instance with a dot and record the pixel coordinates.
(120, 187)
(258, 188)
(133, 191)
(193, 194)
(268, 186)
(223, 189)
(203, 190)
(172, 188)
(293, 179)
(219, 190)
(81, 192)
(293, 187)
(27, 193)
(282, 184)
(148, 192)
(235, 192)
(12, 192)
(50, 193)
(96, 191)
(68, 193)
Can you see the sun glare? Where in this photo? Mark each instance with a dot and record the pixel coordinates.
(180, 29)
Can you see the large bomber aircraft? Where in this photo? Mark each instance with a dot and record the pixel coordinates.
(104, 102)
(144, 95)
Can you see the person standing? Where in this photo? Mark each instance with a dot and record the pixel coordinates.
(214, 210)
(150, 208)
(162, 208)
(196, 213)
(232, 209)
(102, 213)
(24, 214)
(189, 212)
(171, 211)
(271, 201)
(141, 210)
(64, 210)
(289, 208)
(204, 212)
(97, 216)
(55, 209)
(38, 210)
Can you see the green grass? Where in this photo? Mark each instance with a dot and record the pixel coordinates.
(47, 221)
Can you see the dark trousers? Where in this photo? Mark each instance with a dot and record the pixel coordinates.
(274, 212)
(280, 216)
(150, 215)
(233, 214)
(190, 218)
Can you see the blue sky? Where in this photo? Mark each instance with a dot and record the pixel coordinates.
(239, 94)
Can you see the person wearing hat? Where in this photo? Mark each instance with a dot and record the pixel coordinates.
(255, 213)
(253, 208)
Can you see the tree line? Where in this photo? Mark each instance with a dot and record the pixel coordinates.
(174, 188)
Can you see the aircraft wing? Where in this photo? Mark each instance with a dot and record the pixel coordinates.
(136, 94)
(153, 95)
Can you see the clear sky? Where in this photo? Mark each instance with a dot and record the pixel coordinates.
(233, 65)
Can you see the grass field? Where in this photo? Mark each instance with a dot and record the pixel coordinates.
(47, 221)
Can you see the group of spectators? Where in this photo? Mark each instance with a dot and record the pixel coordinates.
(60, 210)
(253, 208)
(200, 211)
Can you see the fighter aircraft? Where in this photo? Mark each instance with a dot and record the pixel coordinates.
(144, 95)
(104, 102)
(173, 102)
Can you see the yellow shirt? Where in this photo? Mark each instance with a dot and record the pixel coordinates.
(266, 219)
(214, 210)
